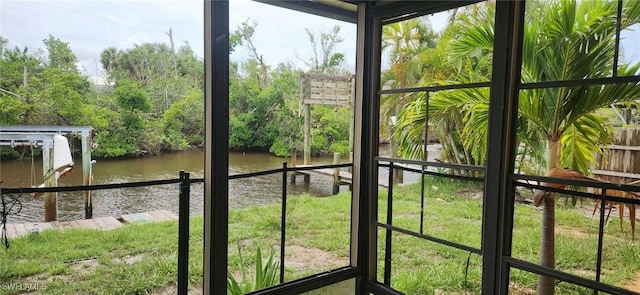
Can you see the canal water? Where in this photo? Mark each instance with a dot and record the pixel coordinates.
(115, 202)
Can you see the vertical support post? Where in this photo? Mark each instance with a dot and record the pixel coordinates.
(603, 205)
(498, 207)
(336, 174)
(352, 121)
(294, 157)
(426, 127)
(183, 234)
(216, 155)
(86, 172)
(425, 158)
(388, 232)
(49, 175)
(283, 220)
(294, 162)
(307, 134)
(366, 138)
(422, 169)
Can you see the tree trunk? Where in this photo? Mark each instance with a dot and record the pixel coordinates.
(173, 53)
(547, 246)
(398, 175)
(547, 243)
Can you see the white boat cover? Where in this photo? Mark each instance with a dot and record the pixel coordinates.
(61, 153)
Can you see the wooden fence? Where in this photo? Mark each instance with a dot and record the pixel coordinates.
(621, 164)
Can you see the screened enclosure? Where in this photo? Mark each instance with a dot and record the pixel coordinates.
(494, 117)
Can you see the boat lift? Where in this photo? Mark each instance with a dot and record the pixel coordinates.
(56, 157)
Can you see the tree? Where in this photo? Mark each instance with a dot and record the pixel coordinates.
(20, 70)
(451, 61)
(403, 41)
(108, 58)
(184, 122)
(246, 31)
(581, 35)
(60, 54)
(132, 98)
(325, 59)
(563, 40)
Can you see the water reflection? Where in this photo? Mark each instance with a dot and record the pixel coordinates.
(115, 202)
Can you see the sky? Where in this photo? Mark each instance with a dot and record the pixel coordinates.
(90, 26)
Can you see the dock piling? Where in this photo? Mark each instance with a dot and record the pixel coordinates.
(336, 174)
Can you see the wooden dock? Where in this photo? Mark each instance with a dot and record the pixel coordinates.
(344, 177)
(15, 230)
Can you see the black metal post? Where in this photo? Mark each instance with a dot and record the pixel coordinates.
(425, 154)
(603, 205)
(216, 155)
(498, 205)
(183, 234)
(283, 220)
(616, 50)
(387, 248)
(422, 184)
(366, 141)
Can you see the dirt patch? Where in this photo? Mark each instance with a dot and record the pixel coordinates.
(442, 292)
(173, 289)
(302, 259)
(471, 192)
(634, 284)
(85, 266)
(571, 231)
(590, 274)
(520, 290)
(129, 259)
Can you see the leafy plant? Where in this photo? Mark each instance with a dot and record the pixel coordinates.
(266, 275)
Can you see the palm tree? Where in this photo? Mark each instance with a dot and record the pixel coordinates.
(451, 61)
(580, 35)
(403, 42)
(108, 58)
(563, 40)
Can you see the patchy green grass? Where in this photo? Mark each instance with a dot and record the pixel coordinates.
(142, 258)
(453, 211)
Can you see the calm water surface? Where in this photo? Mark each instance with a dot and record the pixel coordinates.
(115, 202)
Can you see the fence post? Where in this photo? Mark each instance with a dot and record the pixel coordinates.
(294, 162)
(49, 178)
(283, 221)
(336, 174)
(87, 172)
(183, 234)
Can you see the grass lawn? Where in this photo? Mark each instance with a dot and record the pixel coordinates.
(142, 258)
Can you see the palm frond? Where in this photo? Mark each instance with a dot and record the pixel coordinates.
(581, 141)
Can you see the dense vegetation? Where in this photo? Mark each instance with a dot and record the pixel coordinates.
(152, 98)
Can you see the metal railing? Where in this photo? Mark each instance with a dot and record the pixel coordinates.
(604, 199)
(184, 185)
(392, 164)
